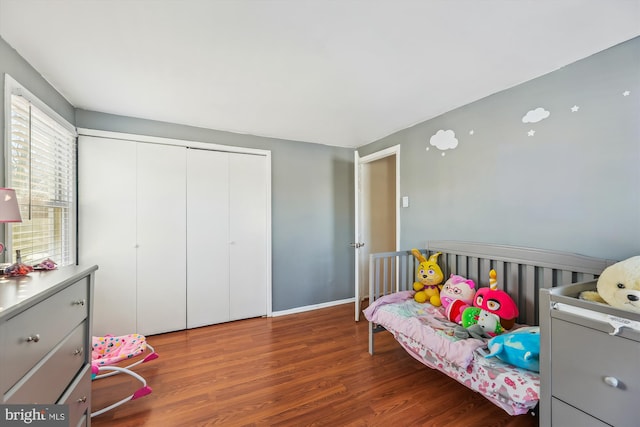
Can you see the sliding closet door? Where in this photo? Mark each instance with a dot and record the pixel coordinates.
(207, 237)
(247, 235)
(107, 229)
(161, 228)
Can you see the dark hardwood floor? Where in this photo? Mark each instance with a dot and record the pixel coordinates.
(302, 369)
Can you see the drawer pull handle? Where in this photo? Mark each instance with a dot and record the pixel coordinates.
(611, 381)
(77, 351)
(83, 399)
(78, 302)
(34, 338)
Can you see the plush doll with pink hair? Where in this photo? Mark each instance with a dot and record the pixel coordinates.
(457, 294)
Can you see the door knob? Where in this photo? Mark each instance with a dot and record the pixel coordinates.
(356, 245)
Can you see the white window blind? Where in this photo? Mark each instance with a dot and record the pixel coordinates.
(41, 159)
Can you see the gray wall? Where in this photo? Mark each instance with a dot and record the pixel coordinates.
(312, 207)
(573, 186)
(14, 65)
(312, 193)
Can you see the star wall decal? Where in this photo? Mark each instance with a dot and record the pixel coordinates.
(531, 132)
(471, 132)
(626, 93)
(574, 109)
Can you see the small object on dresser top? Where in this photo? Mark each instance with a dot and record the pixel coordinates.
(18, 269)
(47, 264)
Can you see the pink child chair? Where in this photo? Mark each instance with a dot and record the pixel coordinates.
(109, 350)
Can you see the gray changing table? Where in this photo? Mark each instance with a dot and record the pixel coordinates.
(589, 372)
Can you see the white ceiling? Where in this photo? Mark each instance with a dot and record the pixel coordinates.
(336, 72)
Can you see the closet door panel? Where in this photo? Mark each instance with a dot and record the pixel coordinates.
(107, 229)
(248, 235)
(161, 227)
(207, 237)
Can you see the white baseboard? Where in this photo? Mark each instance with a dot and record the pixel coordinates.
(312, 307)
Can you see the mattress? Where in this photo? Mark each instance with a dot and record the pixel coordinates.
(427, 335)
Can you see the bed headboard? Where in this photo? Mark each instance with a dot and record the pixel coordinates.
(521, 272)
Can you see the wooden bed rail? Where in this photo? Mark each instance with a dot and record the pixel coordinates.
(522, 272)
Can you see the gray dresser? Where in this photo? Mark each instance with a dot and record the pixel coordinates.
(45, 340)
(589, 371)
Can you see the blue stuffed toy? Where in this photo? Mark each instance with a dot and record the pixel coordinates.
(520, 348)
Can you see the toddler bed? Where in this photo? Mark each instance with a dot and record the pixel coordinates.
(425, 332)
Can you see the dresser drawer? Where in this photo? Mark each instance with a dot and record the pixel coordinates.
(48, 380)
(78, 397)
(29, 336)
(564, 415)
(585, 364)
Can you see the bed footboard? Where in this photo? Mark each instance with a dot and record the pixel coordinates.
(522, 272)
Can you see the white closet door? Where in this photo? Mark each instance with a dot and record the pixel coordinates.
(107, 229)
(248, 235)
(207, 237)
(161, 227)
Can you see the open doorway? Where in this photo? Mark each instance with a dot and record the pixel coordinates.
(377, 222)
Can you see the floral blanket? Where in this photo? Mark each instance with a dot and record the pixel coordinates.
(426, 334)
(423, 323)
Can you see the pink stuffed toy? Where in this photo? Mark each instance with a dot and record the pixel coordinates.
(493, 309)
(459, 291)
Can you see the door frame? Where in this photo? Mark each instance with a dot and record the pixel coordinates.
(358, 211)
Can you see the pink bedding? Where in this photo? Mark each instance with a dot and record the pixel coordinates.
(427, 335)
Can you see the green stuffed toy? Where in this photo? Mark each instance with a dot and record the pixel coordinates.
(429, 277)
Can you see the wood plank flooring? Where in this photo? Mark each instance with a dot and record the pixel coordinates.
(306, 369)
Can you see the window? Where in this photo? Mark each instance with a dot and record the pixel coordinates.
(41, 166)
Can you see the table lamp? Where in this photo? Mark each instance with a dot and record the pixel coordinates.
(9, 209)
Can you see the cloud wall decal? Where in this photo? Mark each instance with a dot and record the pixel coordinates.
(444, 140)
(534, 116)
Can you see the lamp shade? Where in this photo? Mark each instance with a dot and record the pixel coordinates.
(9, 210)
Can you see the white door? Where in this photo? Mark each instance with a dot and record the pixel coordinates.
(133, 223)
(248, 235)
(377, 213)
(226, 237)
(107, 229)
(161, 229)
(207, 237)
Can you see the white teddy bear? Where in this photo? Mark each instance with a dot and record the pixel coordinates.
(619, 285)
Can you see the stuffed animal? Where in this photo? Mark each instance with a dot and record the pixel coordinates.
(493, 310)
(428, 278)
(456, 295)
(618, 286)
(457, 288)
(520, 348)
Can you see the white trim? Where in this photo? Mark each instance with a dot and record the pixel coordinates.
(171, 141)
(356, 250)
(381, 154)
(13, 87)
(390, 151)
(358, 161)
(313, 307)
